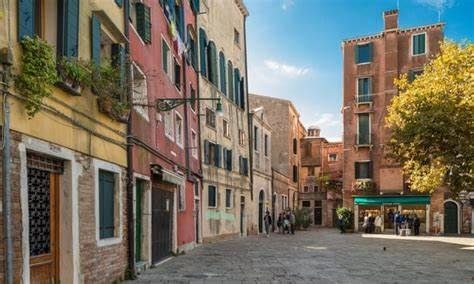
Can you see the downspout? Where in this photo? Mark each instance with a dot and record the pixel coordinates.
(6, 55)
(186, 128)
(130, 180)
(247, 107)
(198, 95)
(273, 200)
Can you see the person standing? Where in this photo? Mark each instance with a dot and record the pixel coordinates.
(416, 225)
(365, 225)
(268, 221)
(378, 224)
(280, 223)
(396, 219)
(292, 222)
(341, 224)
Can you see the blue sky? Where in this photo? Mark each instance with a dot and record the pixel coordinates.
(294, 46)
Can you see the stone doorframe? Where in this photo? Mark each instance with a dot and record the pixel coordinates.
(459, 215)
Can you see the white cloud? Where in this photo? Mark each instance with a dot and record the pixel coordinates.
(438, 5)
(286, 4)
(285, 69)
(326, 120)
(330, 125)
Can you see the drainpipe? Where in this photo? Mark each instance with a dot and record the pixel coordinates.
(198, 95)
(130, 180)
(6, 56)
(186, 119)
(247, 107)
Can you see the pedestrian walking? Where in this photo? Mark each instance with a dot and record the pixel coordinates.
(341, 224)
(268, 221)
(280, 223)
(396, 220)
(292, 222)
(365, 225)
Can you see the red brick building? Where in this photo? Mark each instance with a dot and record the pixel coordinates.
(372, 183)
(165, 152)
(321, 177)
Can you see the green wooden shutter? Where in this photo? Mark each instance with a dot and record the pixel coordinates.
(223, 79)
(106, 204)
(356, 54)
(26, 18)
(95, 42)
(415, 44)
(164, 56)
(71, 38)
(206, 152)
(230, 78)
(118, 60)
(143, 21)
(369, 86)
(236, 86)
(212, 63)
(203, 51)
(217, 156)
(195, 6)
(364, 130)
(356, 170)
(422, 43)
(119, 2)
(370, 170)
(370, 52)
(224, 158)
(229, 160)
(242, 93)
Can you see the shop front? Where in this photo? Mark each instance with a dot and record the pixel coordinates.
(386, 206)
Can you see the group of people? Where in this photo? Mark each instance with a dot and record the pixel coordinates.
(372, 224)
(286, 222)
(405, 221)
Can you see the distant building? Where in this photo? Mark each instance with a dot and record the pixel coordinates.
(373, 183)
(321, 177)
(287, 130)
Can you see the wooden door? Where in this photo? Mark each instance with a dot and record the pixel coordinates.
(450, 218)
(162, 208)
(43, 205)
(318, 216)
(138, 221)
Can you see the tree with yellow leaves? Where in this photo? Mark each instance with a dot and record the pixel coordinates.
(432, 122)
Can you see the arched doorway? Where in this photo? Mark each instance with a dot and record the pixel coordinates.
(450, 217)
(261, 198)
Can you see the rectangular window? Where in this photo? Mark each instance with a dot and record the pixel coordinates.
(295, 146)
(143, 21)
(168, 124)
(211, 196)
(241, 137)
(227, 159)
(363, 170)
(243, 166)
(210, 118)
(177, 74)
(181, 198)
(295, 173)
(306, 203)
(179, 129)
(165, 54)
(193, 97)
(139, 89)
(265, 145)
(106, 204)
(419, 44)
(310, 171)
(364, 90)
(332, 157)
(363, 133)
(228, 198)
(363, 53)
(225, 128)
(305, 188)
(255, 138)
(194, 144)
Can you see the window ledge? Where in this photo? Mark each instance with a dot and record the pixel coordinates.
(109, 241)
(363, 63)
(68, 89)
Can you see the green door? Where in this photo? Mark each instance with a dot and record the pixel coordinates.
(450, 218)
(138, 221)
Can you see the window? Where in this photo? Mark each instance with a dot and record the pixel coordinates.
(193, 97)
(222, 75)
(106, 204)
(227, 153)
(236, 37)
(284, 202)
(236, 86)
(310, 171)
(228, 198)
(363, 131)
(265, 145)
(243, 166)
(211, 196)
(255, 138)
(306, 203)
(241, 137)
(203, 51)
(179, 129)
(194, 144)
(230, 80)
(139, 89)
(192, 48)
(212, 63)
(212, 153)
(225, 128)
(418, 44)
(332, 157)
(412, 74)
(363, 53)
(210, 118)
(364, 90)
(168, 124)
(177, 74)
(295, 146)
(363, 170)
(143, 21)
(165, 55)
(295, 173)
(181, 198)
(318, 203)
(305, 188)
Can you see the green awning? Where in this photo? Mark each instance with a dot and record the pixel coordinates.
(379, 200)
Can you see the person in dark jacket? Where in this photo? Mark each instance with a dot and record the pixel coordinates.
(341, 224)
(268, 221)
(416, 225)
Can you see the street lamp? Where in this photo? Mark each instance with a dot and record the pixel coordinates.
(171, 103)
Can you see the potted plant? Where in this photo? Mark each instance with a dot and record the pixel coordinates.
(347, 217)
(363, 186)
(74, 74)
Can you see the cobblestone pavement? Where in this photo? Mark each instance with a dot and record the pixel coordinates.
(318, 256)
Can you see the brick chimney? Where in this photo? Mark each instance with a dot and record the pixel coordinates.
(390, 19)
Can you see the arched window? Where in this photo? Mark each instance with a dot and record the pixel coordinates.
(230, 79)
(212, 63)
(203, 51)
(223, 79)
(237, 86)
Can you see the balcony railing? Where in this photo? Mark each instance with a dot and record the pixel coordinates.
(364, 99)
